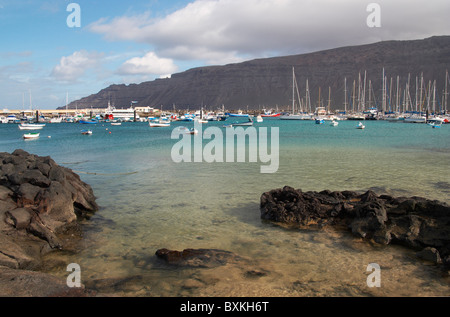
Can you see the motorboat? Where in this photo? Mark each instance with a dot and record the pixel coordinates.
(319, 121)
(360, 126)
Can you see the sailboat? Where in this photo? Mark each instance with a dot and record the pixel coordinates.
(293, 116)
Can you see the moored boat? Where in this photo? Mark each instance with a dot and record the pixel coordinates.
(319, 121)
(33, 135)
(91, 121)
(361, 126)
(31, 126)
(334, 123)
(158, 124)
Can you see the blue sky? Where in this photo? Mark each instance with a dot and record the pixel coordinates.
(123, 42)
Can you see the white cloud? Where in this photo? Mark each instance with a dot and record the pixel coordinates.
(149, 64)
(71, 68)
(223, 31)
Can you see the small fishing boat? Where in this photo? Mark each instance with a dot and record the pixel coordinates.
(86, 132)
(319, 121)
(159, 124)
(33, 135)
(259, 119)
(248, 123)
(334, 123)
(360, 126)
(192, 131)
(435, 125)
(92, 121)
(239, 114)
(116, 123)
(200, 120)
(31, 126)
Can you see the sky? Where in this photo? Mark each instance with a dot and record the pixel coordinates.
(57, 50)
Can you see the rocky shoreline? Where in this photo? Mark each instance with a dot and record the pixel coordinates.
(41, 204)
(414, 222)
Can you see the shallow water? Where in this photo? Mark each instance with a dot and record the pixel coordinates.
(148, 202)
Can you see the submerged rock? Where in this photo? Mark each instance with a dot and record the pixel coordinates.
(203, 258)
(415, 222)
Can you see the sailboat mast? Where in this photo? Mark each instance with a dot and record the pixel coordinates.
(293, 90)
(397, 99)
(390, 95)
(421, 93)
(329, 99)
(364, 92)
(446, 92)
(434, 97)
(383, 93)
(308, 97)
(345, 95)
(354, 96)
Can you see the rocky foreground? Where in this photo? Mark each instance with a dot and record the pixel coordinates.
(41, 204)
(415, 222)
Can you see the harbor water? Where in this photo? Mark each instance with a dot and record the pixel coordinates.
(149, 202)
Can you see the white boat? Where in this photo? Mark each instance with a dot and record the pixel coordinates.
(56, 120)
(360, 126)
(31, 126)
(123, 114)
(192, 131)
(116, 123)
(334, 123)
(200, 120)
(292, 117)
(416, 119)
(12, 119)
(32, 135)
(86, 132)
(259, 119)
(158, 124)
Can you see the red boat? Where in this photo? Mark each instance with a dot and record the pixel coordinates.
(270, 115)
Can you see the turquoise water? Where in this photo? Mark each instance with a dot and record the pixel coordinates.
(148, 202)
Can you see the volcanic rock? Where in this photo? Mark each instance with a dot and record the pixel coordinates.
(414, 222)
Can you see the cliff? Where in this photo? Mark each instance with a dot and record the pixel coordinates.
(267, 83)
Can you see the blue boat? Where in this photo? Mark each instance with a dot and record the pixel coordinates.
(239, 114)
(319, 121)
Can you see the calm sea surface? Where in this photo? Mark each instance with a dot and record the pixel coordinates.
(148, 202)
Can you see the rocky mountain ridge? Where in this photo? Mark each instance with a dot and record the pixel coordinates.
(267, 83)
